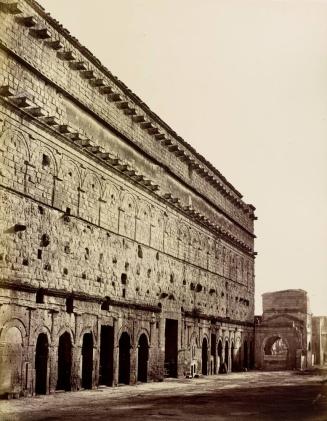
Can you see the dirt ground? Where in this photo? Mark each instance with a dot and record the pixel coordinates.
(236, 396)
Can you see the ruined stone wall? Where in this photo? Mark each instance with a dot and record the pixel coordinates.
(108, 219)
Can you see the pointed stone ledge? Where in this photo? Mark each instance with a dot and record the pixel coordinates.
(114, 97)
(11, 8)
(65, 129)
(159, 136)
(167, 141)
(66, 55)
(96, 83)
(21, 101)
(40, 33)
(78, 65)
(6, 91)
(105, 89)
(36, 112)
(153, 130)
(55, 44)
(51, 121)
(139, 118)
(28, 21)
(87, 74)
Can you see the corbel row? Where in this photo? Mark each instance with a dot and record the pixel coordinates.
(43, 33)
(81, 141)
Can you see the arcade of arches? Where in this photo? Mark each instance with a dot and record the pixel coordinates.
(67, 364)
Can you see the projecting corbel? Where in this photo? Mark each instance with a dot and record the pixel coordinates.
(40, 33)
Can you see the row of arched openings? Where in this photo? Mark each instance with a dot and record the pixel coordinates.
(224, 360)
(65, 362)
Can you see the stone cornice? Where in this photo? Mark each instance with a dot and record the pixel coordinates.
(207, 171)
(106, 159)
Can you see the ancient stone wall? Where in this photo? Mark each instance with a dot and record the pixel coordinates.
(113, 228)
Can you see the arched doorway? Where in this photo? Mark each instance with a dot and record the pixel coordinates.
(226, 354)
(41, 364)
(220, 355)
(275, 354)
(245, 355)
(64, 362)
(204, 356)
(142, 359)
(87, 361)
(232, 361)
(11, 363)
(124, 358)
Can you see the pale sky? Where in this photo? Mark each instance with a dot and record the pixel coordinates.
(245, 83)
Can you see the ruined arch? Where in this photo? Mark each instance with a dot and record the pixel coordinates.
(90, 197)
(15, 142)
(41, 364)
(65, 348)
(124, 358)
(127, 214)
(142, 358)
(11, 365)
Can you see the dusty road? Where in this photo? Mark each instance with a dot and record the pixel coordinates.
(238, 396)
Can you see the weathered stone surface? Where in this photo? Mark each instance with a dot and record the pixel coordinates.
(136, 260)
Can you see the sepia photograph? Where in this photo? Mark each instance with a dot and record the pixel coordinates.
(163, 210)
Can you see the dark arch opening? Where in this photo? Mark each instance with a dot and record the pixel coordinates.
(204, 356)
(220, 355)
(41, 364)
(232, 362)
(87, 361)
(142, 359)
(124, 358)
(245, 355)
(276, 346)
(226, 355)
(64, 362)
(251, 366)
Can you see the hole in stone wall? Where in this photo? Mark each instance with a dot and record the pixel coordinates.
(45, 240)
(47, 267)
(198, 288)
(126, 265)
(67, 212)
(139, 252)
(41, 210)
(222, 294)
(65, 271)
(137, 289)
(70, 173)
(101, 257)
(45, 160)
(67, 249)
(84, 275)
(149, 273)
(124, 292)
(25, 262)
(114, 260)
(69, 305)
(40, 296)
(39, 254)
(157, 324)
(171, 278)
(1, 257)
(99, 279)
(184, 282)
(87, 253)
(157, 255)
(113, 284)
(192, 286)
(123, 278)
(105, 304)
(148, 291)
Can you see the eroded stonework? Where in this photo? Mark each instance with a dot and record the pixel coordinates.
(124, 255)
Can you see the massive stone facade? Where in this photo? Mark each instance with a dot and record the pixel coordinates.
(125, 256)
(283, 335)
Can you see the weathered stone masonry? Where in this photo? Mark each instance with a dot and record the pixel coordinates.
(125, 256)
